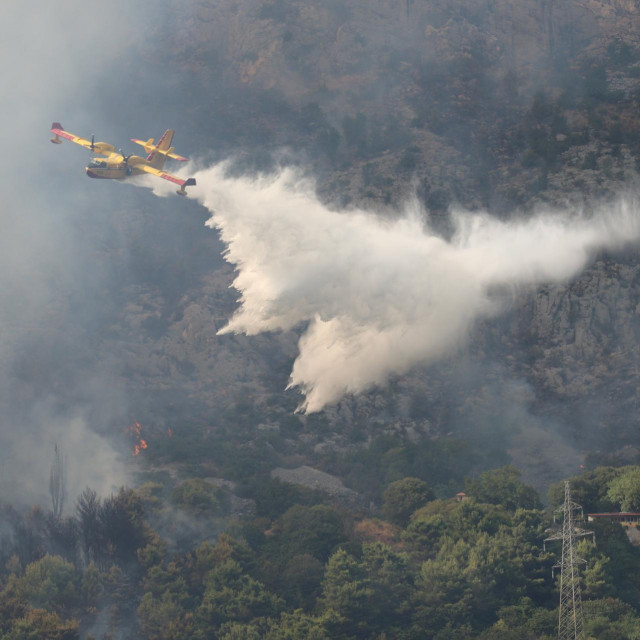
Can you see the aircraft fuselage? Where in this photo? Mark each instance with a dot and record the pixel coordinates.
(113, 168)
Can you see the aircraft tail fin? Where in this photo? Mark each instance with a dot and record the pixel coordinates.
(56, 128)
(159, 152)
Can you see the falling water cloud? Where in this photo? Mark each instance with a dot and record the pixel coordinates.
(376, 296)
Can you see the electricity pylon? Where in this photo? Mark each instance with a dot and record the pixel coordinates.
(570, 612)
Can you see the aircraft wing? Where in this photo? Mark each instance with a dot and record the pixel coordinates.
(103, 148)
(167, 176)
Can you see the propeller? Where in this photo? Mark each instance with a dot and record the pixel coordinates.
(92, 146)
(125, 160)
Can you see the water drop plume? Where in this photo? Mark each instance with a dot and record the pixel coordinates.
(376, 296)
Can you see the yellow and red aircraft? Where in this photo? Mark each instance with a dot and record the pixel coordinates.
(117, 166)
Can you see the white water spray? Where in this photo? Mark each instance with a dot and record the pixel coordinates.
(380, 296)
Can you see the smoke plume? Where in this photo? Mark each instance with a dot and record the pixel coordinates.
(377, 296)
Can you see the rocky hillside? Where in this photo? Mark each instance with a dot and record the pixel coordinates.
(483, 102)
(506, 106)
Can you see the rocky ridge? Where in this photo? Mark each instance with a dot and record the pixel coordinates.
(507, 106)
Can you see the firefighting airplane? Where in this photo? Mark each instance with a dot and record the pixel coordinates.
(117, 166)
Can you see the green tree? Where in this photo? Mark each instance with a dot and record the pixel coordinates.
(38, 624)
(200, 497)
(596, 583)
(623, 566)
(162, 619)
(625, 489)
(123, 527)
(367, 596)
(472, 518)
(233, 596)
(121, 595)
(504, 487)
(483, 558)
(314, 530)
(403, 497)
(49, 583)
(610, 619)
(297, 626)
(344, 597)
(153, 552)
(302, 578)
(425, 532)
(443, 593)
(523, 621)
(588, 489)
(273, 497)
(389, 583)
(239, 631)
(91, 586)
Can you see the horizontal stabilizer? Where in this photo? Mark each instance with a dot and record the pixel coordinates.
(168, 154)
(147, 144)
(190, 182)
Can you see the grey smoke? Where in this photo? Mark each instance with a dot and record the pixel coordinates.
(52, 387)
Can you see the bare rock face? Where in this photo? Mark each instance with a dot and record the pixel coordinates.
(299, 47)
(585, 335)
(482, 104)
(314, 479)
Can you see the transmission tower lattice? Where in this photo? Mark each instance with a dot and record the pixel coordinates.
(570, 613)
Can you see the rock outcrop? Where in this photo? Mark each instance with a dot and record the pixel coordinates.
(506, 106)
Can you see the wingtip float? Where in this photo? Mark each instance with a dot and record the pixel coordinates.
(117, 166)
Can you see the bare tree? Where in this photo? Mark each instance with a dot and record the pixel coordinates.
(57, 482)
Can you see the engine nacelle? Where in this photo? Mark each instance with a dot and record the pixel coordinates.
(103, 147)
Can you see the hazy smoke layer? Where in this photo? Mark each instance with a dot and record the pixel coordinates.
(380, 296)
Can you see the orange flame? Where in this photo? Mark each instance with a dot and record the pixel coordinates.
(136, 430)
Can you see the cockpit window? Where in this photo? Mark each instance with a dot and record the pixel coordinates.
(95, 164)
